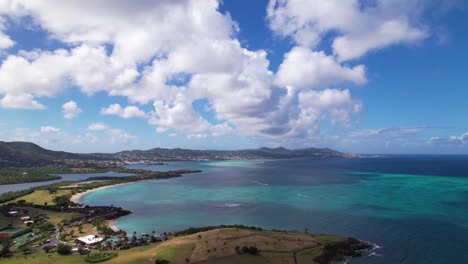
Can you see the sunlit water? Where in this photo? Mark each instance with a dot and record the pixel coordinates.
(415, 207)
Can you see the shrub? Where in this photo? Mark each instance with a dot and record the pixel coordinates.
(253, 250)
(47, 248)
(245, 249)
(64, 249)
(100, 257)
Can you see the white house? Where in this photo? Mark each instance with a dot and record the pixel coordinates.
(13, 213)
(89, 240)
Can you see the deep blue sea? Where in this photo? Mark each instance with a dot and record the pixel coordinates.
(414, 207)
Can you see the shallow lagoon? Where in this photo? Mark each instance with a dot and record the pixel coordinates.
(403, 203)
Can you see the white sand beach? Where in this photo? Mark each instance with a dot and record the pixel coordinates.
(76, 197)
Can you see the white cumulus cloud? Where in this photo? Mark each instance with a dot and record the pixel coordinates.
(358, 26)
(49, 129)
(97, 126)
(170, 54)
(70, 109)
(304, 68)
(124, 112)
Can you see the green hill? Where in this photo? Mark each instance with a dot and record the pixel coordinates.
(26, 154)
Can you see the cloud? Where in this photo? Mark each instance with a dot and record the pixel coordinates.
(461, 140)
(120, 137)
(97, 126)
(197, 136)
(70, 109)
(127, 112)
(20, 101)
(49, 129)
(357, 27)
(53, 138)
(304, 68)
(5, 40)
(170, 54)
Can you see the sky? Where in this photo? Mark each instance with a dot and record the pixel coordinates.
(362, 76)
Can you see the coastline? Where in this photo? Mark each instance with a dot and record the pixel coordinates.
(76, 197)
(112, 224)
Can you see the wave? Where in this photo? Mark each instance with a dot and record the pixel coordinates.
(301, 195)
(260, 183)
(372, 250)
(229, 205)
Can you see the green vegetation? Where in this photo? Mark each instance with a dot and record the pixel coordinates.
(22, 175)
(166, 254)
(338, 251)
(42, 197)
(10, 196)
(100, 257)
(47, 173)
(194, 230)
(6, 243)
(64, 249)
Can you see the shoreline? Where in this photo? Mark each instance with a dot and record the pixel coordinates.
(112, 224)
(76, 197)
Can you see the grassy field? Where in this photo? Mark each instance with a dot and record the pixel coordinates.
(87, 229)
(42, 258)
(41, 197)
(219, 246)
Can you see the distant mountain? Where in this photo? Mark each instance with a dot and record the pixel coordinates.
(28, 154)
(19, 154)
(261, 153)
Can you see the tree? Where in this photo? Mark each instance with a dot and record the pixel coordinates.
(7, 242)
(47, 248)
(245, 249)
(253, 250)
(64, 249)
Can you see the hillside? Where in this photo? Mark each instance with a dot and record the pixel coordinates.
(261, 153)
(228, 246)
(26, 154)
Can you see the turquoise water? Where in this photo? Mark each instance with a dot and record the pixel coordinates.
(401, 203)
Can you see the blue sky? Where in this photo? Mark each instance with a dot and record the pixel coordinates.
(360, 76)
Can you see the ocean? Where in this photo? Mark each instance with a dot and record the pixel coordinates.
(413, 207)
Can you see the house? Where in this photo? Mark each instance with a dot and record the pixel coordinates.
(13, 213)
(89, 240)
